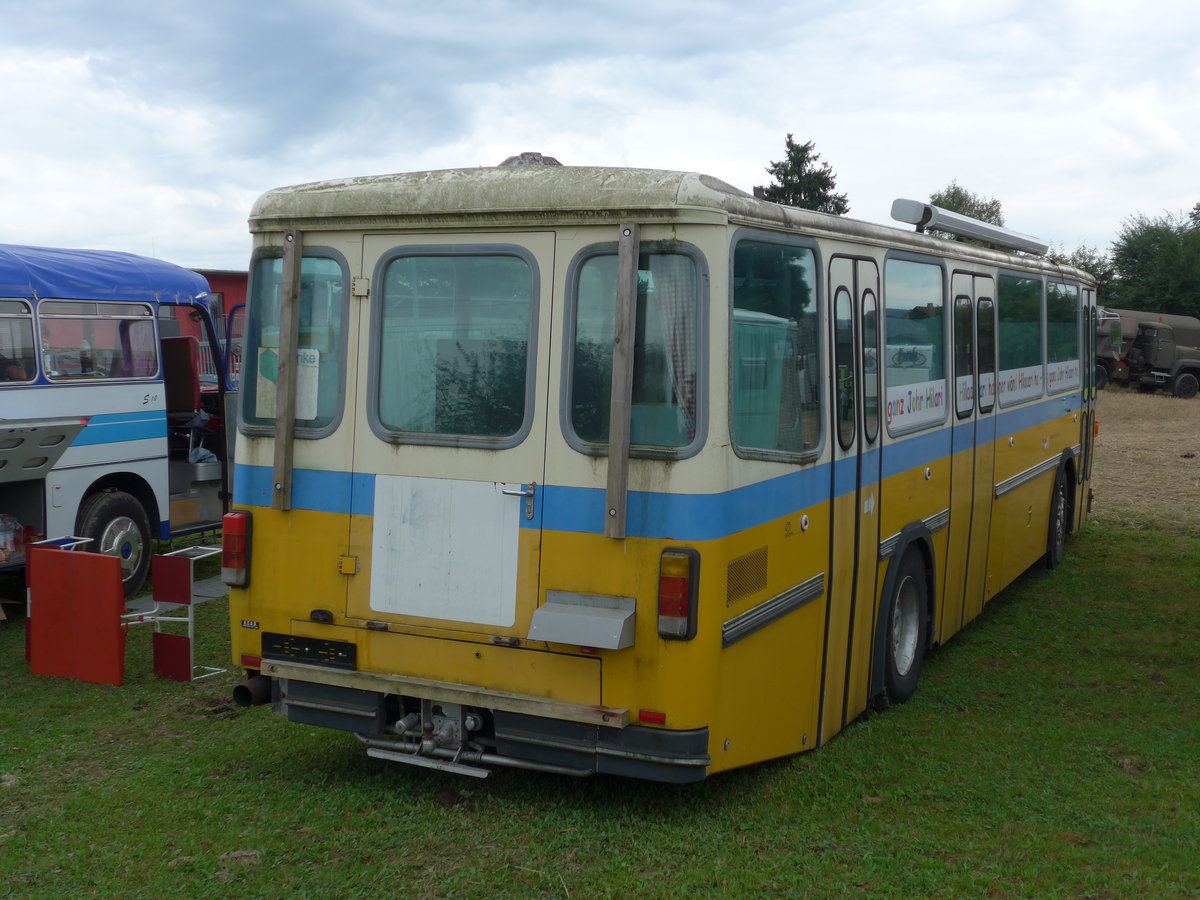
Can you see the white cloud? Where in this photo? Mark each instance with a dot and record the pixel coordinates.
(152, 128)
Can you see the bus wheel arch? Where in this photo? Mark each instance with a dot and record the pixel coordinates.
(905, 622)
(117, 514)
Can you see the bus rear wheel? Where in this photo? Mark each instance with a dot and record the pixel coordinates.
(118, 526)
(906, 622)
(1056, 539)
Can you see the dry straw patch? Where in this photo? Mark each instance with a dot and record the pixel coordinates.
(1147, 464)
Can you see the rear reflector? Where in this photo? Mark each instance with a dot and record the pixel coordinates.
(235, 549)
(678, 573)
(652, 717)
(251, 662)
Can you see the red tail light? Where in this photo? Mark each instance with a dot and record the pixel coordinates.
(678, 575)
(235, 549)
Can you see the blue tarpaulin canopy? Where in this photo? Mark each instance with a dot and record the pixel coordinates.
(51, 273)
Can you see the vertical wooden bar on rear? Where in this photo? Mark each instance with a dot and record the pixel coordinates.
(622, 381)
(285, 388)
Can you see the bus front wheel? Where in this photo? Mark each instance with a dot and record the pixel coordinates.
(118, 526)
(906, 622)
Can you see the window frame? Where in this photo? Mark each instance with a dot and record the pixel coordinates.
(1001, 395)
(375, 349)
(1063, 387)
(940, 264)
(23, 314)
(301, 432)
(567, 354)
(760, 453)
(959, 304)
(104, 311)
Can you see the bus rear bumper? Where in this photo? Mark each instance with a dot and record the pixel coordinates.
(465, 738)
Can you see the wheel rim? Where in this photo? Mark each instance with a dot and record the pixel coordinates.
(906, 625)
(122, 539)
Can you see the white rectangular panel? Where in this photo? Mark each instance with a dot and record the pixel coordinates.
(445, 549)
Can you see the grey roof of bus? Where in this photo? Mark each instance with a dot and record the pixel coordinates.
(502, 189)
(51, 272)
(528, 195)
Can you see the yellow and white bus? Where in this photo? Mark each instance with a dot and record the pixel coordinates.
(626, 471)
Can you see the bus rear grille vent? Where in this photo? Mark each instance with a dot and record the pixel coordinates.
(746, 575)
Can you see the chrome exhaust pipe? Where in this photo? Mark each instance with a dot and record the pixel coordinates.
(253, 691)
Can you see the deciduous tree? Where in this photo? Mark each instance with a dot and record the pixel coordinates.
(956, 198)
(1095, 262)
(1156, 263)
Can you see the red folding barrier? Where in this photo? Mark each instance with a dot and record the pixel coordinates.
(75, 604)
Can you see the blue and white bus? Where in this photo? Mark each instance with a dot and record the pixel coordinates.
(112, 404)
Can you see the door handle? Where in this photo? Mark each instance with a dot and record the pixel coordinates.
(527, 492)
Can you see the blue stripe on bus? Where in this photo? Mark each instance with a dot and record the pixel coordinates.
(686, 517)
(115, 428)
(313, 489)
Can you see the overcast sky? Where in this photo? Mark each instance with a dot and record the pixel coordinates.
(151, 125)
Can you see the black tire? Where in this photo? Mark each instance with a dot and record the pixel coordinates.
(1101, 378)
(119, 526)
(1186, 386)
(905, 616)
(1056, 537)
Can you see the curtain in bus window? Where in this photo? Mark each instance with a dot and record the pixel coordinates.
(775, 401)
(915, 345)
(1063, 372)
(664, 355)
(454, 345)
(318, 363)
(675, 284)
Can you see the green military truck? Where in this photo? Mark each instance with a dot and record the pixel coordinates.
(1148, 351)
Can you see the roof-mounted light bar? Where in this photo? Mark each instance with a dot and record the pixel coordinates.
(923, 215)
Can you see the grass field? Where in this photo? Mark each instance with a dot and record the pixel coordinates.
(1052, 750)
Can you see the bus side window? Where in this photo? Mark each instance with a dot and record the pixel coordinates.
(18, 359)
(85, 340)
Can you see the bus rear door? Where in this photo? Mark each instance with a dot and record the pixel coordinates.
(449, 455)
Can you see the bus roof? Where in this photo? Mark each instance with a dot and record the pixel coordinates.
(533, 196)
(508, 193)
(49, 272)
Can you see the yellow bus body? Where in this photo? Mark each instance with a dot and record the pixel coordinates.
(373, 597)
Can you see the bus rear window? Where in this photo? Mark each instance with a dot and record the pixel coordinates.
(323, 289)
(665, 351)
(453, 350)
